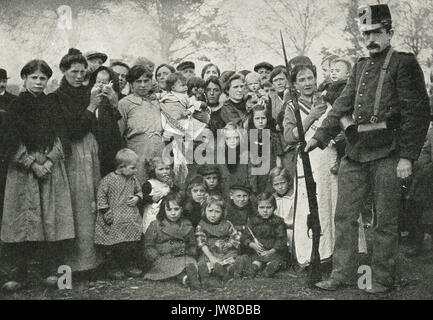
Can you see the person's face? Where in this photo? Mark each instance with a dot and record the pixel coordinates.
(213, 213)
(280, 185)
(213, 93)
(326, 69)
(102, 78)
(239, 197)
(3, 84)
(264, 73)
(253, 85)
(198, 193)
(75, 75)
(211, 180)
(162, 75)
(306, 82)
(188, 73)
(36, 82)
(232, 138)
(94, 63)
(142, 86)
(280, 82)
(265, 209)
(251, 102)
(173, 211)
(162, 172)
(376, 40)
(236, 91)
(121, 72)
(260, 120)
(129, 169)
(339, 71)
(269, 90)
(211, 71)
(180, 87)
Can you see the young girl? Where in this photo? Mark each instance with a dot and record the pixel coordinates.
(260, 120)
(266, 237)
(212, 178)
(107, 130)
(170, 246)
(160, 183)
(282, 185)
(218, 241)
(118, 224)
(195, 196)
(37, 202)
(177, 109)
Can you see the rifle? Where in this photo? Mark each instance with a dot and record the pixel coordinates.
(313, 222)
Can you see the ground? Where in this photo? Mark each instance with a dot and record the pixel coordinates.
(417, 275)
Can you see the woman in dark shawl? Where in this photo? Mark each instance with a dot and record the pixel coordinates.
(37, 206)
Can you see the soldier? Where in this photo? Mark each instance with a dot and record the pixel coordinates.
(387, 104)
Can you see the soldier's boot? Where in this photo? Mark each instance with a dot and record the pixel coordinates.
(192, 276)
(221, 272)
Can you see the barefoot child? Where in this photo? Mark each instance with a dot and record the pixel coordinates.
(118, 224)
(170, 246)
(265, 236)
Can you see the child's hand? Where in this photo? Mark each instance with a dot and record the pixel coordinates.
(108, 217)
(257, 247)
(132, 201)
(48, 165)
(40, 171)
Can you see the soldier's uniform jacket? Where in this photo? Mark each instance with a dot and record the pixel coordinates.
(404, 105)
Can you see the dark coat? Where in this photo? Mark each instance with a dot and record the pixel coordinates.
(270, 232)
(333, 90)
(404, 101)
(233, 112)
(239, 216)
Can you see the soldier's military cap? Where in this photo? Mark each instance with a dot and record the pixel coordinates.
(373, 17)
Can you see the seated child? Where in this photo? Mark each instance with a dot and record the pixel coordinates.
(212, 178)
(170, 245)
(239, 208)
(340, 71)
(177, 109)
(265, 236)
(282, 184)
(159, 184)
(195, 196)
(118, 225)
(218, 241)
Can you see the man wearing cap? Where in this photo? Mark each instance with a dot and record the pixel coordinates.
(264, 69)
(95, 59)
(5, 99)
(386, 105)
(187, 68)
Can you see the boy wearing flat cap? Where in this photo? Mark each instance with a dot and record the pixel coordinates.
(386, 103)
(264, 69)
(187, 68)
(239, 208)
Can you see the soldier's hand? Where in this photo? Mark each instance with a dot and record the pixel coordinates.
(311, 145)
(404, 168)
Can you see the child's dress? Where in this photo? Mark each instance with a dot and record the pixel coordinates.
(222, 239)
(155, 190)
(113, 193)
(175, 118)
(170, 247)
(271, 233)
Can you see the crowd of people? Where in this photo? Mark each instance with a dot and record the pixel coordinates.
(86, 179)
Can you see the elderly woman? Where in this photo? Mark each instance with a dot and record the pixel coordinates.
(37, 205)
(141, 119)
(234, 109)
(83, 168)
(161, 74)
(210, 70)
(312, 109)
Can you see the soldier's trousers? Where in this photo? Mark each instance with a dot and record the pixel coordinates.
(355, 181)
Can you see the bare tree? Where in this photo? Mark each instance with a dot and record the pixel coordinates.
(302, 22)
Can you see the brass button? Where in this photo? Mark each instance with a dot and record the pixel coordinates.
(366, 72)
(363, 83)
(359, 106)
(359, 117)
(372, 63)
(360, 94)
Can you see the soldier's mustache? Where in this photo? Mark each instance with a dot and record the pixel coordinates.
(373, 46)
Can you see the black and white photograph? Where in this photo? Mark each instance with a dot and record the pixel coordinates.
(224, 152)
